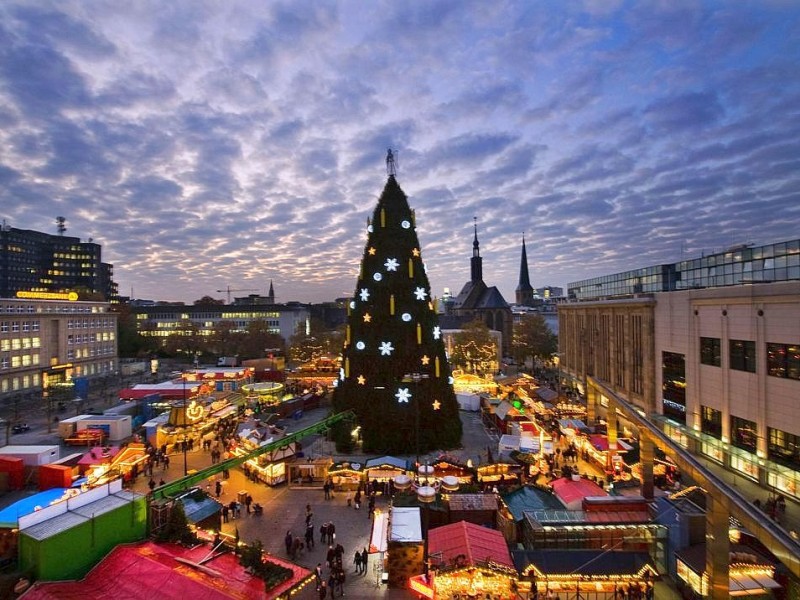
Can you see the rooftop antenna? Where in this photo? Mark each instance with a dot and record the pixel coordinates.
(391, 166)
(61, 225)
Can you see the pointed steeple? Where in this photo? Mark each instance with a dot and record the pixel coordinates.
(476, 264)
(271, 294)
(524, 290)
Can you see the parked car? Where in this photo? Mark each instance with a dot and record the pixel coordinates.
(21, 428)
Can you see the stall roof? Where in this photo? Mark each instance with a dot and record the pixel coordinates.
(575, 424)
(478, 544)
(600, 442)
(199, 507)
(406, 524)
(583, 562)
(526, 499)
(472, 502)
(506, 409)
(546, 394)
(157, 571)
(399, 463)
(569, 491)
(540, 518)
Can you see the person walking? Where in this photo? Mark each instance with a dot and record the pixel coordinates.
(322, 590)
(218, 488)
(357, 498)
(310, 535)
(288, 542)
(364, 560)
(248, 500)
(323, 533)
(357, 561)
(331, 532)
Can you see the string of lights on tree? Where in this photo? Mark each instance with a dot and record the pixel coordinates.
(395, 373)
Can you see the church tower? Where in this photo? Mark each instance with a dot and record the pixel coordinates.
(271, 294)
(476, 264)
(524, 292)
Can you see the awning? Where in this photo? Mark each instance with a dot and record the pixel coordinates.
(380, 533)
(741, 584)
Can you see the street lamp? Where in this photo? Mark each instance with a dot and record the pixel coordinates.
(185, 425)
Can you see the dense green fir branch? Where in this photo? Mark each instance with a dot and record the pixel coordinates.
(395, 372)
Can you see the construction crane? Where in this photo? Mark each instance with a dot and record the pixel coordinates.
(229, 290)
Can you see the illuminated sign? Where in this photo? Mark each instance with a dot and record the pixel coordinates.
(71, 296)
(194, 411)
(416, 584)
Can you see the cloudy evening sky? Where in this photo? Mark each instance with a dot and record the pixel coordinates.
(214, 144)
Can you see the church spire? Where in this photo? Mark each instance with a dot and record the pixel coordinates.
(476, 264)
(524, 290)
(271, 294)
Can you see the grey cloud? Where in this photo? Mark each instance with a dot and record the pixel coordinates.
(693, 110)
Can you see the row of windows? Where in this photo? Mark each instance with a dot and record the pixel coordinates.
(91, 352)
(88, 338)
(51, 308)
(783, 360)
(17, 326)
(20, 343)
(13, 384)
(90, 323)
(783, 447)
(15, 362)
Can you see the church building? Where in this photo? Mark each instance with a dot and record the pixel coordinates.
(477, 301)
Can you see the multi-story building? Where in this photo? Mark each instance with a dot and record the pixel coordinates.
(709, 348)
(163, 320)
(32, 261)
(45, 343)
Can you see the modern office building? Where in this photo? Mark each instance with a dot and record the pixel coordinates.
(46, 343)
(708, 348)
(162, 320)
(32, 261)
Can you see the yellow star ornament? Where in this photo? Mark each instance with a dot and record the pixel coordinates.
(425, 359)
(371, 251)
(436, 405)
(367, 317)
(361, 380)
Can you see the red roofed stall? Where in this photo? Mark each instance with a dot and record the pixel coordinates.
(168, 572)
(469, 560)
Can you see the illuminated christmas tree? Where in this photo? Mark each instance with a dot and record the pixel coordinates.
(395, 374)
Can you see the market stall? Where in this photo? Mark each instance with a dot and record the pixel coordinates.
(308, 471)
(469, 561)
(445, 466)
(385, 468)
(588, 574)
(750, 574)
(499, 473)
(346, 475)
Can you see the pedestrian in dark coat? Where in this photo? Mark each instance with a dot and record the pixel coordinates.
(323, 533)
(288, 542)
(310, 536)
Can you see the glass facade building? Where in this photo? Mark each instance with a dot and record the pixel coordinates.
(735, 266)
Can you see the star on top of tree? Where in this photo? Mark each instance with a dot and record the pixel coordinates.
(425, 359)
(403, 395)
(367, 317)
(391, 264)
(437, 405)
(361, 380)
(420, 293)
(386, 348)
(364, 294)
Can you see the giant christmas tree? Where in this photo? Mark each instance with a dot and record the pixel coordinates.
(395, 374)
